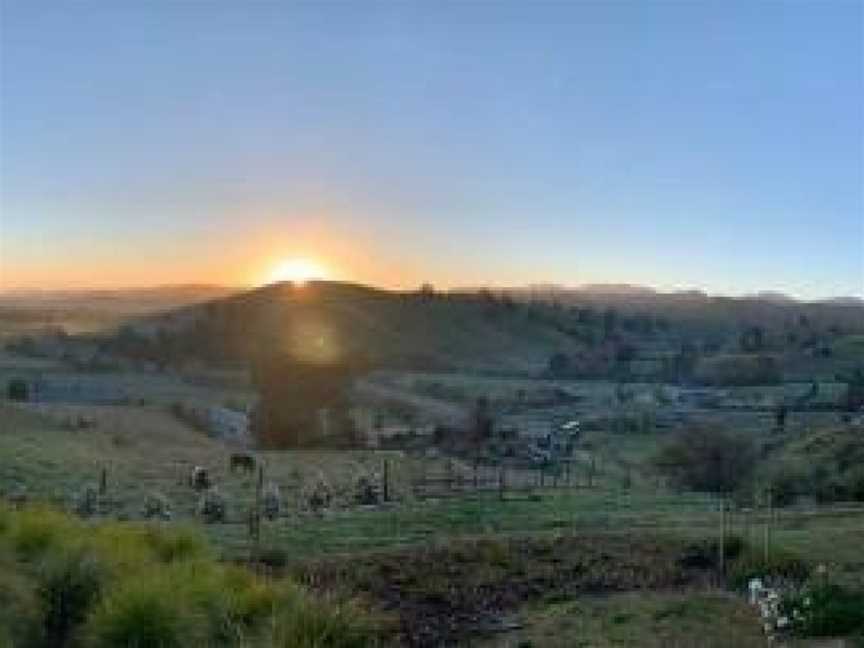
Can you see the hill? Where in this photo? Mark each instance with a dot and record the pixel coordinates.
(323, 321)
(76, 311)
(622, 333)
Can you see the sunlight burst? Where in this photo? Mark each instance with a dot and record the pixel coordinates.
(297, 271)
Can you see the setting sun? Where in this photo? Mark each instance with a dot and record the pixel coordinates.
(297, 271)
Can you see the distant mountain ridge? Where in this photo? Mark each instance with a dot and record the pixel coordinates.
(619, 290)
(509, 331)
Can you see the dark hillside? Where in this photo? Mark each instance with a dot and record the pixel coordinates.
(621, 334)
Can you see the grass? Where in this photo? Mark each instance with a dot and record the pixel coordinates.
(67, 582)
(146, 450)
(640, 620)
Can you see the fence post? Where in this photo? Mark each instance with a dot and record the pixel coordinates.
(449, 475)
(475, 472)
(422, 483)
(255, 517)
(103, 481)
(386, 493)
(501, 484)
(722, 552)
(591, 473)
(542, 476)
(768, 520)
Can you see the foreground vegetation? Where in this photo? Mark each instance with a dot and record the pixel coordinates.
(64, 582)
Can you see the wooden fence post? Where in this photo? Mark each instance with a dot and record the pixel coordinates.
(255, 515)
(768, 520)
(386, 493)
(103, 481)
(449, 475)
(475, 472)
(591, 473)
(722, 550)
(501, 486)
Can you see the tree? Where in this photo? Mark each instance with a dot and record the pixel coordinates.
(853, 397)
(559, 365)
(752, 339)
(710, 460)
(17, 390)
(482, 423)
(780, 416)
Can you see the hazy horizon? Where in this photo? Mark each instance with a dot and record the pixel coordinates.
(599, 288)
(712, 147)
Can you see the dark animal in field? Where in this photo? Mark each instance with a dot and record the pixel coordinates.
(212, 506)
(199, 479)
(241, 461)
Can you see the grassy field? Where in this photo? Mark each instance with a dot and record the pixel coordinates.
(146, 450)
(695, 619)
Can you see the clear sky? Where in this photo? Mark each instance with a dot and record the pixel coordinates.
(713, 145)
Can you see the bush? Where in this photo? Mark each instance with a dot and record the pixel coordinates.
(825, 609)
(68, 583)
(19, 606)
(65, 582)
(752, 564)
(704, 554)
(710, 460)
(738, 370)
(145, 612)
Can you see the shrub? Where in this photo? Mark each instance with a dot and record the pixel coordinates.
(145, 612)
(704, 554)
(825, 609)
(64, 582)
(68, 583)
(779, 565)
(19, 606)
(300, 622)
(710, 460)
(738, 370)
(36, 531)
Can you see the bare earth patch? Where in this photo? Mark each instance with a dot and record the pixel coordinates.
(447, 595)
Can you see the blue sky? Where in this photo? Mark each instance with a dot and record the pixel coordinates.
(715, 145)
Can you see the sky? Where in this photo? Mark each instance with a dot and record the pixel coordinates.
(708, 145)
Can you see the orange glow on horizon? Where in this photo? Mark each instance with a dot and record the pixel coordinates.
(298, 271)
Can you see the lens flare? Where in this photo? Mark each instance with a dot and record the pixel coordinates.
(297, 271)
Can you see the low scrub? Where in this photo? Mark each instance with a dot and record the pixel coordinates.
(825, 465)
(728, 370)
(825, 609)
(64, 582)
(709, 460)
(778, 565)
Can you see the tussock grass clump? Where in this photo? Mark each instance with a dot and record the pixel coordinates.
(66, 582)
(751, 563)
